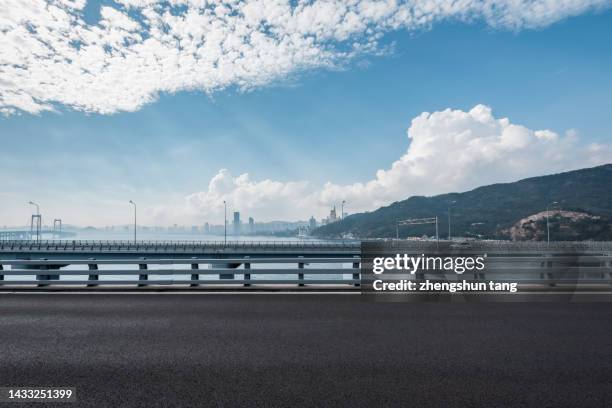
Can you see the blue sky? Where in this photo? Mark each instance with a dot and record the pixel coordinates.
(319, 125)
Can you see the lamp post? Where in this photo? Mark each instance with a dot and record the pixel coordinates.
(342, 209)
(224, 223)
(38, 220)
(449, 219)
(548, 223)
(134, 204)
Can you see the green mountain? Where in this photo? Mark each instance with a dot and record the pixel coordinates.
(500, 211)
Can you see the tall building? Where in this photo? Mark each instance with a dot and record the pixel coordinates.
(312, 223)
(236, 223)
(251, 225)
(332, 215)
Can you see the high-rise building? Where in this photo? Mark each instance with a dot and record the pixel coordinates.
(236, 223)
(251, 225)
(206, 228)
(332, 215)
(312, 223)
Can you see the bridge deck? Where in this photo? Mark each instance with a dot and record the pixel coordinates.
(211, 350)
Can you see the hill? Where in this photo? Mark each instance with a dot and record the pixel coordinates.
(500, 211)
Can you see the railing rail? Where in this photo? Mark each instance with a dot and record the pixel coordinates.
(46, 272)
(173, 246)
(237, 243)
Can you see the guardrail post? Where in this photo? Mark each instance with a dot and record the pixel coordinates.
(1, 276)
(550, 276)
(46, 277)
(479, 275)
(92, 277)
(247, 276)
(43, 277)
(301, 275)
(194, 276)
(143, 276)
(356, 274)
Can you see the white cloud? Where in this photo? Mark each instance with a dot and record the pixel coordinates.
(267, 199)
(453, 150)
(49, 54)
(449, 150)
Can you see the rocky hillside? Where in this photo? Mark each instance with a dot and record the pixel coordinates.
(564, 226)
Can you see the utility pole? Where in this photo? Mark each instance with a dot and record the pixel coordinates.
(449, 219)
(224, 223)
(134, 204)
(437, 235)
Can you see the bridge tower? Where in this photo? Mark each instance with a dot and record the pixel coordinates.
(57, 228)
(35, 226)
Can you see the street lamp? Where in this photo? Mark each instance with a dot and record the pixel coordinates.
(37, 207)
(224, 223)
(134, 204)
(38, 221)
(548, 223)
(342, 209)
(449, 219)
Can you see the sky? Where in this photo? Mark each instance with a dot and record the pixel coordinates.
(285, 108)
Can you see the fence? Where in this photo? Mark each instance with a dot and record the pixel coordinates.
(47, 272)
(102, 245)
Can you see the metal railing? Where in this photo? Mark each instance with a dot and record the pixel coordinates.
(245, 271)
(46, 272)
(498, 245)
(167, 245)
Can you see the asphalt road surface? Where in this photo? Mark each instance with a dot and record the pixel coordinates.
(171, 350)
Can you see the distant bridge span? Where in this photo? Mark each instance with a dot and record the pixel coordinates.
(12, 235)
(100, 250)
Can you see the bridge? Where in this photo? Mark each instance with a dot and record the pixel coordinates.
(11, 235)
(191, 263)
(281, 264)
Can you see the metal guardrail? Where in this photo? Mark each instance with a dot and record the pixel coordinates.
(543, 269)
(101, 245)
(490, 245)
(499, 245)
(531, 262)
(45, 275)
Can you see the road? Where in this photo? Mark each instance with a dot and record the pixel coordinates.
(160, 350)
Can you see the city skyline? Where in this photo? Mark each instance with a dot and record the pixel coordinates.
(389, 108)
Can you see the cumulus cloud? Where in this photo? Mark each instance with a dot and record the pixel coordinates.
(449, 150)
(267, 199)
(51, 56)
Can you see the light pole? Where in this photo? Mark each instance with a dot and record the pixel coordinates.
(38, 220)
(342, 209)
(449, 219)
(134, 204)
(548, 223)
(224, 223)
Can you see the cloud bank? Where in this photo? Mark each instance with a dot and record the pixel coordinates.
(51, 55)
(449, 150)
